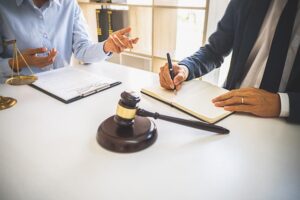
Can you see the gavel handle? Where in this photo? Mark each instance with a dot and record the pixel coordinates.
(190, 123)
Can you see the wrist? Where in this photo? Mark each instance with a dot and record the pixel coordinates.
(185, 71)
(106, 48)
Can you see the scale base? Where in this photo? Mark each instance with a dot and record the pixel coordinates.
(7, 102)
(140, 135)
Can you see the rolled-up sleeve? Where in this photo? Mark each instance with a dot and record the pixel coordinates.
(83, 48)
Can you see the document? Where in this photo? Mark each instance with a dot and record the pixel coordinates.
(69, 84)
(195, 98)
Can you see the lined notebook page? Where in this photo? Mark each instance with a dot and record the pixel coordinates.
(195, 97)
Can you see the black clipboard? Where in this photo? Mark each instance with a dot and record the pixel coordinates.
(69, 84)
(79, 96)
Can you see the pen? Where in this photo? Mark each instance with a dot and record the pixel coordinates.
(170, 65)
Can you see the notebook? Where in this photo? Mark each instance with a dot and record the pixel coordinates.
(195, 98)
(69, 84)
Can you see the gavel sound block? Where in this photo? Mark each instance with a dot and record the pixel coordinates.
(129, 130)
(125, 132)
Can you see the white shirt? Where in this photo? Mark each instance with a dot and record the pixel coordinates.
(259, 55)
(57, 24)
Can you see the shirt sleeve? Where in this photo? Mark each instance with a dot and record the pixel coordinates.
(83, 48)
(5, 69)
(285, 105)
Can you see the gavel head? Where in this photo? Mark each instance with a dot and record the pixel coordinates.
(126, 109)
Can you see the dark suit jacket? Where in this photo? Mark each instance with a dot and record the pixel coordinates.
(237, 32)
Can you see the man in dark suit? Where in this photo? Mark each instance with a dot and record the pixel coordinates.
(264, 75)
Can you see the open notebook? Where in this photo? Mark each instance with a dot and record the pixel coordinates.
(69, 84)
(195, 98)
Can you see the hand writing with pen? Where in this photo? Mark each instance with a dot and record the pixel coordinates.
(248, 100)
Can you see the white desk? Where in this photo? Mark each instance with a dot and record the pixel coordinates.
(48, 151)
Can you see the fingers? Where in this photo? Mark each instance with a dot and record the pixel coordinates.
(126, 42)
(223, 97)
(124, 31)
(250, 100)
(135, 41)
(119, 42)
(39, 61)
(52, 55)
(179, 78)
(164, 83)
(236, 101)
(111, 46)
(178, 87)
(240, 108)
(165, 78)
(35, 51)
(244, 92)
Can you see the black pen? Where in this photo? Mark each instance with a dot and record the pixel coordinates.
(170, 65)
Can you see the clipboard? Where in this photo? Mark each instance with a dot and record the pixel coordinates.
(69, 84)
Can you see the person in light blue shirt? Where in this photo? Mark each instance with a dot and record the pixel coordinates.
(48, 32)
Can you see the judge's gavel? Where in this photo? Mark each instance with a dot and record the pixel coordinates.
(130, 130)
(127, 110)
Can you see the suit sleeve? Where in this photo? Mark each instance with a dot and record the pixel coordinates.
(219, 45)
(294, 108)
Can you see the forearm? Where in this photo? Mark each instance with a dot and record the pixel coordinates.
(88, 52)
(202, 62)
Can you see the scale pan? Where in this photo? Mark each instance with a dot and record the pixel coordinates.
(21, 80)
(7, 102)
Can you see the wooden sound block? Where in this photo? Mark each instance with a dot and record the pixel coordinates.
(122, 139)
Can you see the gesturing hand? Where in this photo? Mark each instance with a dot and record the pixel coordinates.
(118, 41)
(250, 100)
(32, 59)
(180, 72)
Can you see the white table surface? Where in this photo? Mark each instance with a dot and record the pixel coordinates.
(48, 151)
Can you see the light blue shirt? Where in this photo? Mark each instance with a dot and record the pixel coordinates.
(57, 24)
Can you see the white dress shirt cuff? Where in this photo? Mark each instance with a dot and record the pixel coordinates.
(285, 105)
(186, 71)
(105, 55)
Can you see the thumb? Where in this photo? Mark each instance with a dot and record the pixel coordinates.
(179, 78)
(124, 31)
(34, 51)
(134, 41)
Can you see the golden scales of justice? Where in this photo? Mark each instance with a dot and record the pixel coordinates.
(7, 102)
